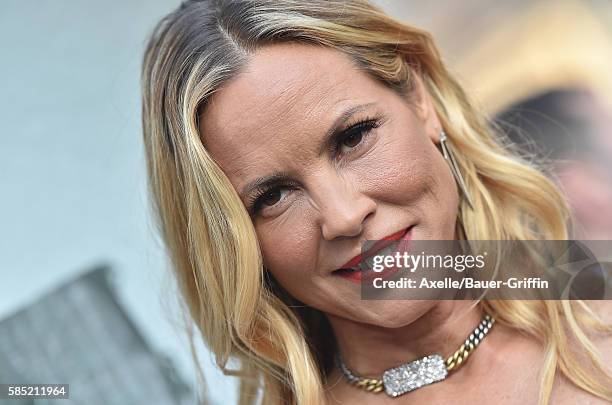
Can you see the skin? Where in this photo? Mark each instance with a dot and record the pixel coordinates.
(375, 184)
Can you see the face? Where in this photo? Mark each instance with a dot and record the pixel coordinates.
(325, 157)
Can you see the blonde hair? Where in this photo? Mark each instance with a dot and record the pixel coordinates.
(210, 237)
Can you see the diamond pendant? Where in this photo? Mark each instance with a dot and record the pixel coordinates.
(416, 374)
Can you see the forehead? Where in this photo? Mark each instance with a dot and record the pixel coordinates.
(275, 112)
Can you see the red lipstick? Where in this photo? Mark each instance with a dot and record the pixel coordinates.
(358, 275)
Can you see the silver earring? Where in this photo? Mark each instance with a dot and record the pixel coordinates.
(450, 158)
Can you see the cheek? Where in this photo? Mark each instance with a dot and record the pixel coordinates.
(407, 171)
(401, 169)
(289, 250)
(443, 206)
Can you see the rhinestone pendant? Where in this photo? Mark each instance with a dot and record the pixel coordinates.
(413, 375)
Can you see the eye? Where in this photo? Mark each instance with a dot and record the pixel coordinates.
(353, 140)
(269, 198)
(353, 136)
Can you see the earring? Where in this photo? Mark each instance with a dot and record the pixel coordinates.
(450, 158)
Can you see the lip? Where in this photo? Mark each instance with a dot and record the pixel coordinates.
(377, 247)
(404, 236)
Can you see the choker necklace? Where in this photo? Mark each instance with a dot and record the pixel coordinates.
(421, 372)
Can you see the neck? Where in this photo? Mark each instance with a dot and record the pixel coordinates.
(369, 350)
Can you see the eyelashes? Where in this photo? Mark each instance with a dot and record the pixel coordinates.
(354, 135)
(260, 196)
(356, 132)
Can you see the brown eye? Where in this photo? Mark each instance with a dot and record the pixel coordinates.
(352, 140)
(271, 197)
(353, 137)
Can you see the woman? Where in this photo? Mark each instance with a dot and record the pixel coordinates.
(280, 135)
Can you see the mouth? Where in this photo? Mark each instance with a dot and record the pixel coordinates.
(359, 268)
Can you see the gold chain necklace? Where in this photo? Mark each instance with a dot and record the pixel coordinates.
(421, 372)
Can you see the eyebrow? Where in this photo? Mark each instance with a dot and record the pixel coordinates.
(326, 144)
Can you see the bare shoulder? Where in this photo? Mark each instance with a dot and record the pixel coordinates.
(603, 341)
(566, 392)
(601, 308)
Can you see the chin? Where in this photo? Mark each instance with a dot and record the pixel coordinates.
(395, 314)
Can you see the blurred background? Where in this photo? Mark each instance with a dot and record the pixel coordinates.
(86, 294)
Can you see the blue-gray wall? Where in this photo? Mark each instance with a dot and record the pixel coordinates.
(72, 174)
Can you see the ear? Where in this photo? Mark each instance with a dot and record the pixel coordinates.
(425, 110)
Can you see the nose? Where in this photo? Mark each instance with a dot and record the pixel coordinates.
(343, 209)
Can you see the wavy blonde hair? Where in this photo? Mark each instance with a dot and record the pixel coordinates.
(209, 235)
